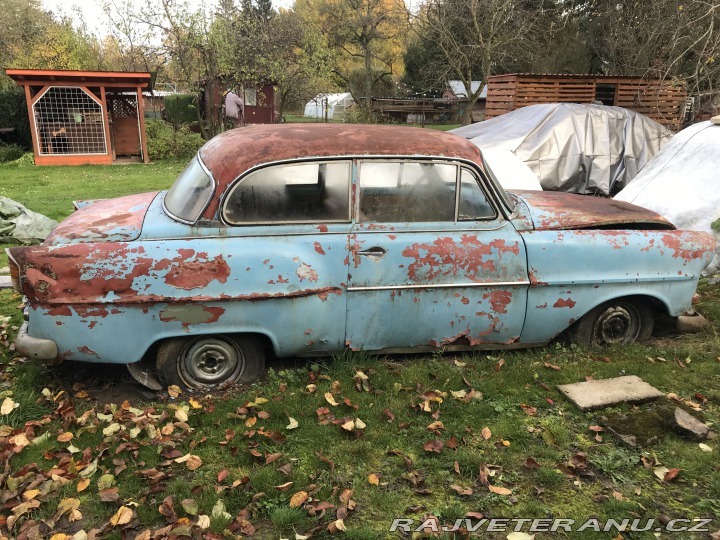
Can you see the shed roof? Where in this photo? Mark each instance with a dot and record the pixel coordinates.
(98, 78)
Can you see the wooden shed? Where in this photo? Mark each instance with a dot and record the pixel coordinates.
(85, 117)
(658, 99)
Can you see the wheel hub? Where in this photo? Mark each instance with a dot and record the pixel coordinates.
(210, 361)
(617, 324)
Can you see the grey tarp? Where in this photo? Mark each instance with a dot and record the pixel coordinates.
(591, 149)
(682, 183)
(18, 224)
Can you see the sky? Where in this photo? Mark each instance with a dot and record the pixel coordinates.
(95, 18)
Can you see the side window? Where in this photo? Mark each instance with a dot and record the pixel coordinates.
(407, 192)
(298, 192)
(474, 204)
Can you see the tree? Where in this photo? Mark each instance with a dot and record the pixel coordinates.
(367, 38)
(473, 39)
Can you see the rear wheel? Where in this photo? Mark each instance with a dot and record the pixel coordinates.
(209, 361)
(615, 322)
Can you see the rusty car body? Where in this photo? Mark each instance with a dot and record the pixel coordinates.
(305, 240)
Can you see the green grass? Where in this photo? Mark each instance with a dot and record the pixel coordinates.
(324, 460)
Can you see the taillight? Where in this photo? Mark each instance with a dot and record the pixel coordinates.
(14, 272)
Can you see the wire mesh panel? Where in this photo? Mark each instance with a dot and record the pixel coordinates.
(122, 106)
(69, 121)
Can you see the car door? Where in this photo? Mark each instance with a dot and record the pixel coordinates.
(290, 227)
(432, 261)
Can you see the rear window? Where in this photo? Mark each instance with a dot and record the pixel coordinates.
(190, 193)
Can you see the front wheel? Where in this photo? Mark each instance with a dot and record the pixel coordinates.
(209, 361)
(617, 322)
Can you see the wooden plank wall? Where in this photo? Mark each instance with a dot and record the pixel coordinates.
(660, 101)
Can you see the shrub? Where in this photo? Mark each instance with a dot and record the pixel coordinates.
(180, 109)
(10, 152)
(164, 142)
(14, 114)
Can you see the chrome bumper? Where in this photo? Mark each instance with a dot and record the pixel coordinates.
(32, 347)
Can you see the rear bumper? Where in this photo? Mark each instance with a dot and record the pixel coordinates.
(32, 347)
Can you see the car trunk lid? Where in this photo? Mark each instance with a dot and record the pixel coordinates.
(552, 210)
(108, 220)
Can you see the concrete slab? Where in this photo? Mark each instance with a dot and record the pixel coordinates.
(591, 395)
(5, 282)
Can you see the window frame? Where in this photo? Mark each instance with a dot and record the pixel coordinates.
(207, 203)
(235, 184)
(459, 165)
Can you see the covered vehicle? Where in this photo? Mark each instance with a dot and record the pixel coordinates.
(308, 239)
(588, 149)
(690, 201)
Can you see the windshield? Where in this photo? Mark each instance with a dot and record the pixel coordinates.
(190, 193)
(509, 202)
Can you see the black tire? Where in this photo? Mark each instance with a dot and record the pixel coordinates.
(615, 322)
(209, 361)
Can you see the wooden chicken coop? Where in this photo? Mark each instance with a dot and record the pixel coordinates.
(658, 99)
(85, 117)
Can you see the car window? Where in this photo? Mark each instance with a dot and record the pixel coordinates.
(190, 193)
(407, 191)
(474, 204)
(291, 193)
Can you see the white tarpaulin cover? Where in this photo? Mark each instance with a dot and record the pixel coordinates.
(590, 149)
(682, 183)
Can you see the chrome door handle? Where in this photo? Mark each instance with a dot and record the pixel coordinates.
(374, 253)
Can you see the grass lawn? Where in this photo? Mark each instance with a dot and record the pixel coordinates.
(346, 443)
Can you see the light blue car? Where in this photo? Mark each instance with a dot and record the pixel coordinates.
(303, 240)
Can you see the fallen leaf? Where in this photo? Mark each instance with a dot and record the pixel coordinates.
(373, 479)
(433, 446)
(660, 472)
(190, 506)
(194, 403)
(671, 475)
(174, 391)
(704, 447)
(359, 424)
(499, 490)
(435, 426)
(110, 495)
(297, 500)
(517, 535)
(122, 516)
(65, 437)
(293, 423)
(552, 366)
(348, 425)
(486, 433)
(8, 406)
(500, 364)
(463, 491)
(82, 484)
(203, 522)
(284, 487)
(31, 494)
(331, 399)
(181, 415)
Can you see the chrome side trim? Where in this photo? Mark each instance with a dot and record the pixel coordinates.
(442, 286)
(613, 280)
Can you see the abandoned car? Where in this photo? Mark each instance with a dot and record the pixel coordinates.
(297, 240)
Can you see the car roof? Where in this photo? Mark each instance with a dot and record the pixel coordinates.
(232, 153)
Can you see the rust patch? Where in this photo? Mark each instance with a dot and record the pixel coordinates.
(499, 300)
(193, 271)
(319, 248)
(87, 350)
(446, 257)
(703, 244)
(561, 303)
(305, 271)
